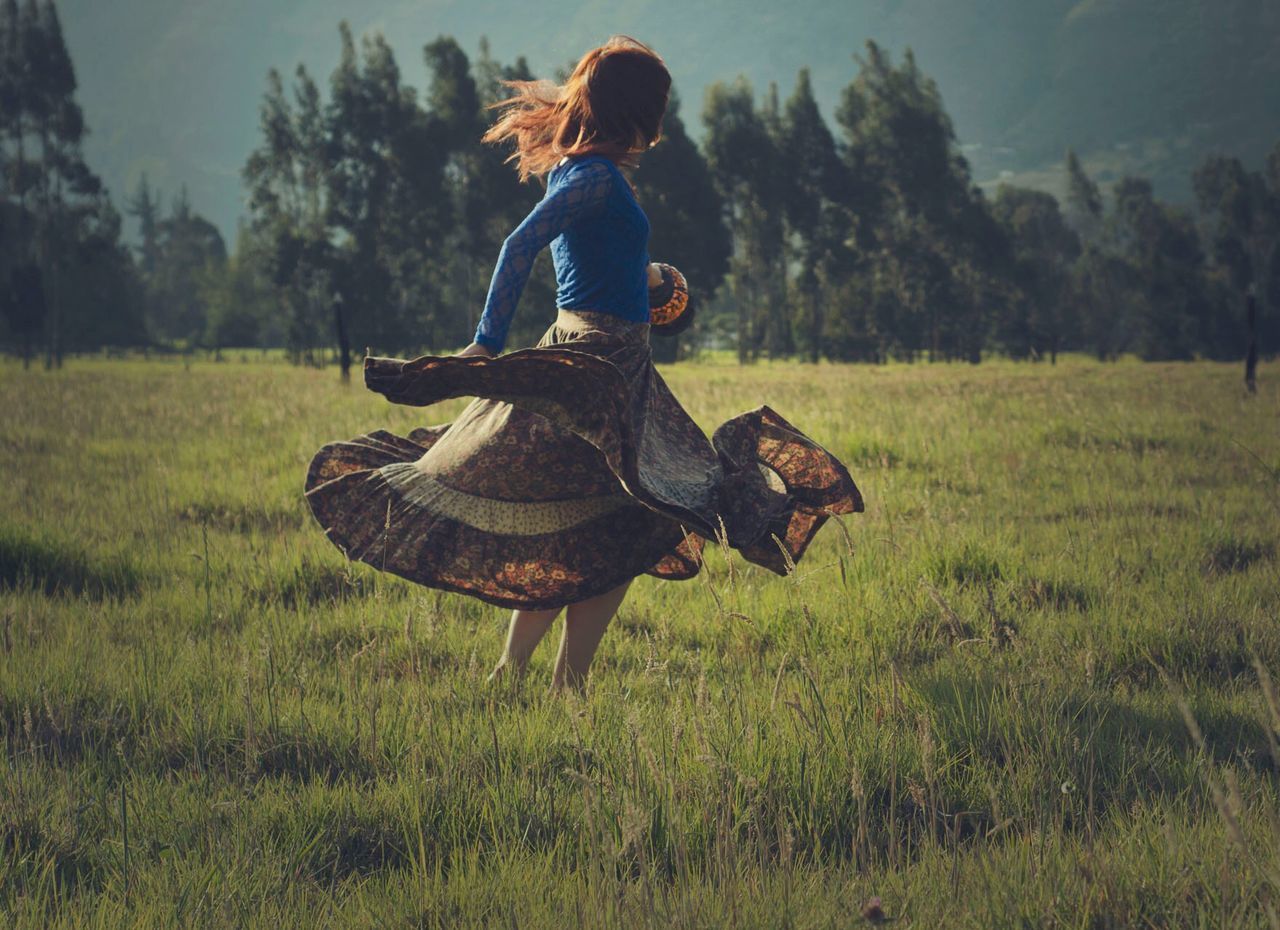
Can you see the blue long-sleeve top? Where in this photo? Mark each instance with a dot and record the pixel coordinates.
(599, 246)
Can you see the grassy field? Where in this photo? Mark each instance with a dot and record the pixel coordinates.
(1027, 688)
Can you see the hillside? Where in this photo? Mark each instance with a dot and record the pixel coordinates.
(1135, 85)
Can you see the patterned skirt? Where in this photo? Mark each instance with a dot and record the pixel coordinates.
(575, 471)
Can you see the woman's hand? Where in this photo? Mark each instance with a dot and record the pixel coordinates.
(474, 349)
(655, 275)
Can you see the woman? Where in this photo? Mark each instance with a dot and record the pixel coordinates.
(576, 470)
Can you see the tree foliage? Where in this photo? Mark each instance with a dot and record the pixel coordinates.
(375, 216)
(66, 282)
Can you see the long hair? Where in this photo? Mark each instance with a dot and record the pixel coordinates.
(611, 105)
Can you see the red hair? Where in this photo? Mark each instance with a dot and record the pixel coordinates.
(611, 105)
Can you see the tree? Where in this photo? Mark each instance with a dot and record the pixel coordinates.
(61, 231)
(238, 297)
(101, 293)
(188, 248)
(686, 215)
(1242, 216)
(16, 90)
(22, 305)
(288, 198)
(1104, 286)
(1163, 248)
(145, 208)
(935, 251)
(1084, 200)
(1105, 290)
(358, 200)
(485, 198)
(746, 167)
(816, 226)
(1044, 249)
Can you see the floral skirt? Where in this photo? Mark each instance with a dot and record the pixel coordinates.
(575, 471)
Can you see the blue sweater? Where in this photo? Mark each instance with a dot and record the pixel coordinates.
(599, 246)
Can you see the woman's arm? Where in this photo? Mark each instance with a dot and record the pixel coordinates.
(581, 193)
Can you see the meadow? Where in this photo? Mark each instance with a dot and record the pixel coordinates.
(1030, 687)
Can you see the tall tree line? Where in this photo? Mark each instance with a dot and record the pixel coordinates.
(376, 215)
(66, 281)
(873, 242)
(382, 213)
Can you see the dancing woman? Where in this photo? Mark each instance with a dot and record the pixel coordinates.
(576, 469)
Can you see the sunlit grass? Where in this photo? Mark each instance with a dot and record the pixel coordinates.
(969, 703)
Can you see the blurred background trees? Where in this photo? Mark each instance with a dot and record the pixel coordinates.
(66, 281)
(375, 215)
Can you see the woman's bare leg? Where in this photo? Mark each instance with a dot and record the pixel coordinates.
(526, 631)
(584, 626)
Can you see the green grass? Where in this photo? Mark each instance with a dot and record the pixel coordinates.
(975, 705)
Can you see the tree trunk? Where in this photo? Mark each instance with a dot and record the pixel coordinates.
(55, 314)
(22, 161)
(815, 324)
(665, 349)
(51, 310)
(344, 341)
(1251, 357)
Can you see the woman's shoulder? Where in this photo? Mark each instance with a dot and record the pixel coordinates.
(586, 167)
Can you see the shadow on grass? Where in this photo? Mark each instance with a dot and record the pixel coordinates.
(1228, 553)
(310, 584)
(1128, 443)
(1052, 594)
(969, 565)
(64, 860)
(388, 653)
(80, 729)
(241, 518)
(1111, 510)
(344, 842)
(56, 567)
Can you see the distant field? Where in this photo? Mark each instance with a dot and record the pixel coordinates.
(1024, 689)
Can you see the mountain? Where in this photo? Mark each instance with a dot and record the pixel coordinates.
(171, 87)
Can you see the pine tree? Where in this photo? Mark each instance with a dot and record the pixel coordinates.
(189, 247)
(347, 195)
(143, 206)
(936, 249)
(370, 117)
(67, 192)
(14, 94)
(745, 165)
(453, 102)
(686, 215)
(1044, 249)
(1163, 247)
(1242, 216)
(1104, 288)
(238, 298)
(814, 221)
(63, 272)
(488, 199)
(277, 206)
(1084, 201)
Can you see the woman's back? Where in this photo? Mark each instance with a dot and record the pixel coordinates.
(599, 245)
(601, 260)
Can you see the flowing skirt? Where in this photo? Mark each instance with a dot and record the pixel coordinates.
(575, 470)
